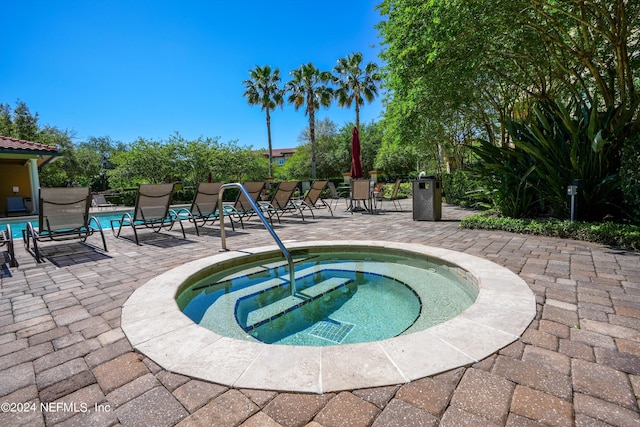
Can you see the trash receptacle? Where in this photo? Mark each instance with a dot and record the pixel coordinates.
(427, 199)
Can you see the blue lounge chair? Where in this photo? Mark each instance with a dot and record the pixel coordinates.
(16, 206)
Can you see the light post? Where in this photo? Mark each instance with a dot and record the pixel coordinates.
(572, 190)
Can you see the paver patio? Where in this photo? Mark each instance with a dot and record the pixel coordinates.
(64, 359)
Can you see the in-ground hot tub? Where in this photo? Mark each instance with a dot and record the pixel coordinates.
(233, 355)
(358, 295)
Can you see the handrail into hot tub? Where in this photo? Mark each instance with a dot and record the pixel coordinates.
(258, 212)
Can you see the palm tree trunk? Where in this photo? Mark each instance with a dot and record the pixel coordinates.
(357, 114)
(312, 137)
(269, 139)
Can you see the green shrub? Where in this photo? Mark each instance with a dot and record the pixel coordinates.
(183, 196)
(608, 233)
(128, 197)
(462, 188)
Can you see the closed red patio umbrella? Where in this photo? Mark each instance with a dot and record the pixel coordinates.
(356, 166)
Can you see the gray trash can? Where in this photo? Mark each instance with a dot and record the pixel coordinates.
(427, 199)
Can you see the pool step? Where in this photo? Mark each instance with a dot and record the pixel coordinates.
(264, 268)
(267, 313)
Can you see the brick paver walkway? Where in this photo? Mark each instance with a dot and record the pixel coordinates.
(65, 361)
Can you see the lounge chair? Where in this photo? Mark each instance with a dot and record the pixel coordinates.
(313, 199)
(281, 202)
(99, 201)
(336, 195)
(152, 210)
(393, 197)
(64, 215)
(242, 208)
(16, 206)
(361, 192)
(204, 208)
(7, 239)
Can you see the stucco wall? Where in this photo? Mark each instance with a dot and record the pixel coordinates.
(13, 176)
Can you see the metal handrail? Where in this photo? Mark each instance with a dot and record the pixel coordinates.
(258, 212)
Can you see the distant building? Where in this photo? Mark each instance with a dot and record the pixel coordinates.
(280, 154)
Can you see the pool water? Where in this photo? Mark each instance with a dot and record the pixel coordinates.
(340, 298)
(18, 225)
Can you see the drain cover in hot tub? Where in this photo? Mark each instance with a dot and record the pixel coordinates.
(332, 330)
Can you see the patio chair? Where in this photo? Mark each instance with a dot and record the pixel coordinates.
(393, 197)
(336, 195)
(281, 202)
(361, 193)
(204, 208)
(99, 201)
(16, 206)
(152, 210)
(64, 215)
(313, 199)
(7, 239)
(241, 208)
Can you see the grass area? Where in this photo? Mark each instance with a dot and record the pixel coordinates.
(607, 233)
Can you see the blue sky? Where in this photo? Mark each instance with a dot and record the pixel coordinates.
(129, 69)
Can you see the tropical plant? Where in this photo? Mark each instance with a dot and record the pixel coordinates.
(460, 187)
(309, 87)
(560, 145)
(263, 89)
(356, 85)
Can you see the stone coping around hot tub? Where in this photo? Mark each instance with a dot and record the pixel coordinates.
(156, 327)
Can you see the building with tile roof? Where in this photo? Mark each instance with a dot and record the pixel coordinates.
(20, 163)
(280, 155)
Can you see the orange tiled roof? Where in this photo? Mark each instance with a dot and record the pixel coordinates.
(281, 152)
(7, 143)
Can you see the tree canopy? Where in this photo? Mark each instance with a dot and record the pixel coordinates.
(355, 84)
(501, 74)
(178, 159)
(487, 60)
(309, 86)
(334, 155)
(263, 89)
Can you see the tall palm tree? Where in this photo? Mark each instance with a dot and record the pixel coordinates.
(308, 87)
(263, 88)
(354, 84)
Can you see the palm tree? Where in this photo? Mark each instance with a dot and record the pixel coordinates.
(263, 89)
(308, 87)
(356, 85)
